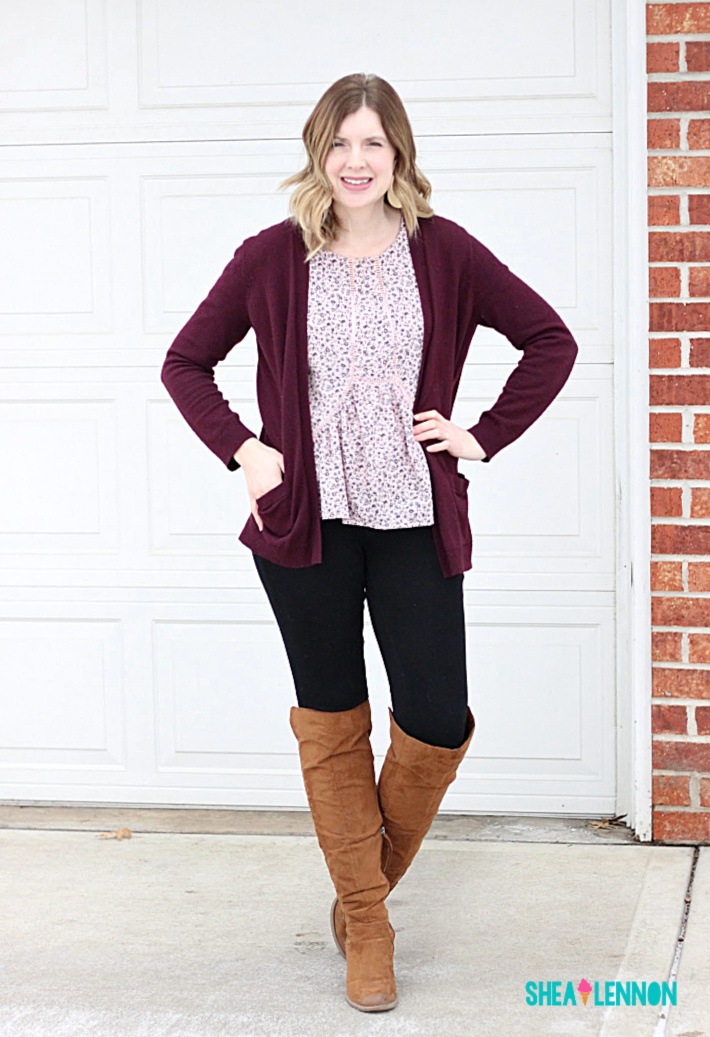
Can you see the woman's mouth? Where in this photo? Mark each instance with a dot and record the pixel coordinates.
(356, 183)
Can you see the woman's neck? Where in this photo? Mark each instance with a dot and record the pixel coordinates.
(363, 233)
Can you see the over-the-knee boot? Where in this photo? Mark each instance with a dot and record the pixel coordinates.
(412, 783)
(339, 776)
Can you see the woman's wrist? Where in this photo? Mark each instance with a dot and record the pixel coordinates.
(478, 452)
(247, 450)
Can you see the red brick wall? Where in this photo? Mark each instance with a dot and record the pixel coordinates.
(678, 66)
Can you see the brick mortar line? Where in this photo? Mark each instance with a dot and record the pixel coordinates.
(664, 772)
(675, 809)
(681, 703)
(676, 37)
(674, 736)
(683, 662)
(686, 521)
(682, 665)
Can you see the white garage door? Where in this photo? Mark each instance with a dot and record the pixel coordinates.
(140, 661)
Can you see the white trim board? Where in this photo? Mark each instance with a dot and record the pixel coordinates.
(631, 396)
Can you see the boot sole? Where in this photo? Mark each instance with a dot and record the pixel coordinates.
(372, 1008)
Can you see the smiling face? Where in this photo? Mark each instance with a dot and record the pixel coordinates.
(360, 151)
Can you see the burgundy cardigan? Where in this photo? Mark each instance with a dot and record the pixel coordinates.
(265, 287)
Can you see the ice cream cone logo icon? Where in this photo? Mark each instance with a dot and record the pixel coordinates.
(584, 990)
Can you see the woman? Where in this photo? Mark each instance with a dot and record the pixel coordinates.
(364, 303)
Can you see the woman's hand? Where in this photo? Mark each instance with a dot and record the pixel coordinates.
(263, 469)
(457, 441)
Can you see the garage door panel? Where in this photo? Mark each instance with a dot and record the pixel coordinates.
(541, 687)
(63, 693)
(192, 226)
(195, 507)
(541, 682)
(61, 63)
(55, 271)
(209, 714)
(543, 503)
(467, 50)
(64, 496)
(541, 206)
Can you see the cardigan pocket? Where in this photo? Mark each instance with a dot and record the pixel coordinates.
(269, 505)
(461, 485)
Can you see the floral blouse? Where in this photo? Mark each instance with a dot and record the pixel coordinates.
(365, 339)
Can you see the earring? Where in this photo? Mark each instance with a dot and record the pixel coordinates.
(391, 196)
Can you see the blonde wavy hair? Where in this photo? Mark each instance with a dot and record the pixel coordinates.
(310, 205)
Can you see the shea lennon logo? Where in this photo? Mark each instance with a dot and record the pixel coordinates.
(610, 992)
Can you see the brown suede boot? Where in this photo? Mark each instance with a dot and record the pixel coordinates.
(337, 916)
(339, 776)
(411, 786)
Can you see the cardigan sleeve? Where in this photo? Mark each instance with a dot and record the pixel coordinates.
(507, 304)
(219, 323)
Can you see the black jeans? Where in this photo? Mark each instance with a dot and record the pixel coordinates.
(417, 615)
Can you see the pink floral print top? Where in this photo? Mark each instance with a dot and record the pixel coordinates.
(365, 339)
